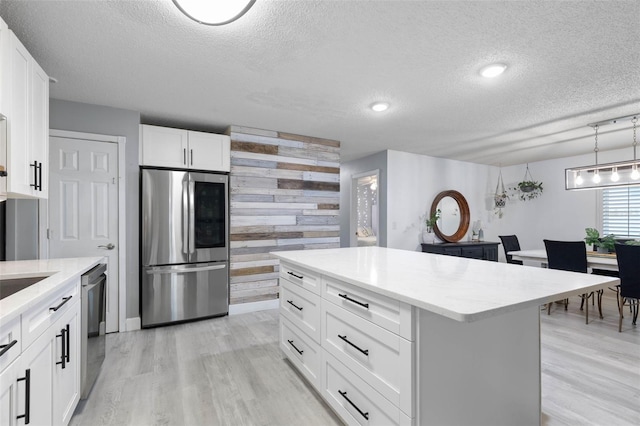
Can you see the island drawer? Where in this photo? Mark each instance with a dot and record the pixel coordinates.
(389, 314)
(301, 277)
(303, 352)
(11, 342)
(354, 400)
(39, 317)
(379, 357)
(301, 307)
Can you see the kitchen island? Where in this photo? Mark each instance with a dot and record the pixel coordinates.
(396, 337)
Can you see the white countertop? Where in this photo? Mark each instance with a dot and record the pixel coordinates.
(462, 289)
(58, 272)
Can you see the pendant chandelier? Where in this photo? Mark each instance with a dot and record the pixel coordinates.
(596, 176)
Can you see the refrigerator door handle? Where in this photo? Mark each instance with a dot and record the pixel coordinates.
(185, 217)
(184, 270)
(192, 216)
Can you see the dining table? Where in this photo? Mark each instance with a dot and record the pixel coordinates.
(595, 260)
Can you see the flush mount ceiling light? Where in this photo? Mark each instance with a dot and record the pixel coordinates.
(214, 12)
(622, 173)
(380, 106)
(493, 70)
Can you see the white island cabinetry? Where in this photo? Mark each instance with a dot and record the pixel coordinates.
(413, 338)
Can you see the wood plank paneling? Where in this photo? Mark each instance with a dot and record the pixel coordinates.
(285, 195)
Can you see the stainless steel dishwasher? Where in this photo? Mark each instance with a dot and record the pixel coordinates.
(93, 326)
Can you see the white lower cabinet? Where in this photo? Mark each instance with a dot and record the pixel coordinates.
(66, 376)
(354, 399)
(42, 385)
(363, 362)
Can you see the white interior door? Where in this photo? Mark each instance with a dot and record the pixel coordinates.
(83, 207)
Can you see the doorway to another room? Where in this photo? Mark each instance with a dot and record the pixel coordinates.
(365, 209)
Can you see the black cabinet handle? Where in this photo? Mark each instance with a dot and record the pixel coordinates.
(297, 276)
(35, 174)
(68, 344)
(191, 152)
(39, 188)
(5, 348)
(294, 347)
(344, 296)
(364, 351)
(64, 300)
(294, 305)
(63, 358)
(344, 395)
(27, 392)
(184, 156)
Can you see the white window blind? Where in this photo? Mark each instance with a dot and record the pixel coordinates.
(621, 211)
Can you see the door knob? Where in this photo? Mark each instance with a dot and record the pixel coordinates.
(108, 246)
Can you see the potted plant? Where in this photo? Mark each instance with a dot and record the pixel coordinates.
(600, 244)
(528, 189)
(428, 237)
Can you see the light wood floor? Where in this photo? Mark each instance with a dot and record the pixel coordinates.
(229, 371)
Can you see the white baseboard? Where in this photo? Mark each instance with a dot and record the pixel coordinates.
(133, 324)
(243, 308)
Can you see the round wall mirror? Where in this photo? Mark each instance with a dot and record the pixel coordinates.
(454, 216)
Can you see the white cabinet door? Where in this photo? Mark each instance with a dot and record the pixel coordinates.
(8, 394)
(4, 51)
(19, 165)
(163, 147)
(38, 361)
(66, 377)
(27, 110)
(209, 151)
(39, 128)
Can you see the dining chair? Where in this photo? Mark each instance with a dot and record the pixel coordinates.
(629, 270)
(571, 256)
(510, 243)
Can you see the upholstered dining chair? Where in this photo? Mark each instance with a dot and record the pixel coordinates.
(510, 243)
(571, 256)
(629, 270)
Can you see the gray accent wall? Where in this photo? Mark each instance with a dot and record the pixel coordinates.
(347, 170)
(21, 229)
(88, 118)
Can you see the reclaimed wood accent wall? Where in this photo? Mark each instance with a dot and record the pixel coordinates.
(285, 195)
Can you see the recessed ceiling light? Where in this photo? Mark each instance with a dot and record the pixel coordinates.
(214, 12)
(380, 106)
(493, 70)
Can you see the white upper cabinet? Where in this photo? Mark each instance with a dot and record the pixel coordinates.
(25, 104)
(184, 149)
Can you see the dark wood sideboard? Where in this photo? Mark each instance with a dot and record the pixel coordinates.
(485, 250)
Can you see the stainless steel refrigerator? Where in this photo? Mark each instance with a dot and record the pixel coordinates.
(184, 246)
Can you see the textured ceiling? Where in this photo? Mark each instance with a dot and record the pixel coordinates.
(314, 67)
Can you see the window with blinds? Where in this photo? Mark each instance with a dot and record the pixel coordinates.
(621, 212)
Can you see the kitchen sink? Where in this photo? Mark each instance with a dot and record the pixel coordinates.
(8, 287)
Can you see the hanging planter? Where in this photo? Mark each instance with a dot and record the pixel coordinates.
(500, 197)
(528, 189)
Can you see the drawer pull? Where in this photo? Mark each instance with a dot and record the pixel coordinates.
(68, 344)
(297, 276)
(64, 300)
(364, 351)
(63, 358)
(27, 393)
(5, 348)
(294, 305)
(294, 347)
(344, 395)
(344, 296)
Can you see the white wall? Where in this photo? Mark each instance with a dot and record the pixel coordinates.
(415, 180)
